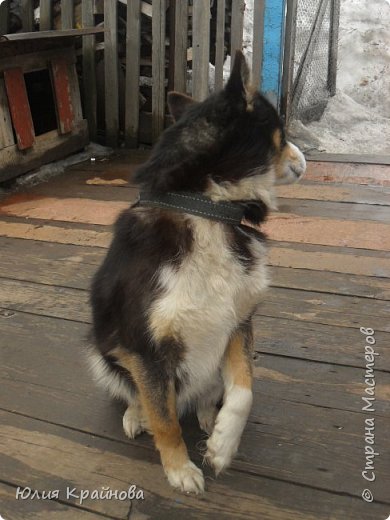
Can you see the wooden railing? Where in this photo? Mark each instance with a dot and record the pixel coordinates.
(168, 66)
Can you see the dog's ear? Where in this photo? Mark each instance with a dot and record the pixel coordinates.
(178, 103)
(239, 79)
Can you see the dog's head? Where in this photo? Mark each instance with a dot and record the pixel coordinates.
(230, 146)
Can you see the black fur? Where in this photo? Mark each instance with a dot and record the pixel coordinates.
(218, 139)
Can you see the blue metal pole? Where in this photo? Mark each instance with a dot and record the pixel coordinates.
(271, 70)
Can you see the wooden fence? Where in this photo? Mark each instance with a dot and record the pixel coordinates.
(184, 33)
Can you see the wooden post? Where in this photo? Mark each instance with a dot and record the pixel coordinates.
(274, 19)
(181, 39)
(61, 85)
(27, 9)
(89, 69)
(4, 17)
(238, 9)
(220, 45)
(200, 48)
(67, 14)
(45, 23)
(111, 72)
(19, 107)
(133, 46)
(158, 68)
(333, 45)
(288, 59)
(258, 41)
(6, 133)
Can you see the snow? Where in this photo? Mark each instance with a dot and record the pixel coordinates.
(357, 119)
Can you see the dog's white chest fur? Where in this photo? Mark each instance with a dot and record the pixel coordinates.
(205, 299)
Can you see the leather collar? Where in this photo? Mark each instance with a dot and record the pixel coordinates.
(194, 204)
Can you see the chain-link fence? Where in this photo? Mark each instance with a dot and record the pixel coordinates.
(310, 63)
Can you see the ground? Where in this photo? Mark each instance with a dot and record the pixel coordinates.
(303, 450)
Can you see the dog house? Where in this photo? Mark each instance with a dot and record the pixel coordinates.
(41, 118)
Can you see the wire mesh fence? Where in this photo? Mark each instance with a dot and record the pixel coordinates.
(310, 63)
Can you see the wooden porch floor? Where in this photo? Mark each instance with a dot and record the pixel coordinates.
(302, 453)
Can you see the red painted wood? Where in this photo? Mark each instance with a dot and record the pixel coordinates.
(61, 85)
(19, 107)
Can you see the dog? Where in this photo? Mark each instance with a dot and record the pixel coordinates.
(173, 300)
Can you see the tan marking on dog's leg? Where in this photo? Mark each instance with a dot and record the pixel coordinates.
(159, 407)
(232, 418)
(277, 139)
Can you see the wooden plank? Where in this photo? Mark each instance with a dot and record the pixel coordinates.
(47, 148)
(301, 256)
(171, 16)
(27, 13)
(47, 263)
(348, 158)
(59, 234)
(280, 227)
(61, 86)
(41, 509)
(158, 68)
(34, 61)
(72, 266)
(236, 29)
(133, 49)
(327, 309)
(54, 34)
(6, 133)
(96, 188)
(343, 210)
(29, 444)
(89, 68)
(274, 16)
(315, 230)
(220, 45)
(111, 72)
(333, 45)
(329, 282)
(66, 210)
(19, 107)
(74, 92)
(289, 58)
(200, 49)
(334, 346)
(336, 193)
(67, 14)
(4, 17)
(374, 174)
(324, 437)
(181, 43)
(46, 21)
(258, 42)
(338, 260)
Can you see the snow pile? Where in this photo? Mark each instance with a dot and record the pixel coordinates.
(357, 119)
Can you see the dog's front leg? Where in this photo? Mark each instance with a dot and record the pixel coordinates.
(231, 419)
(158, 400)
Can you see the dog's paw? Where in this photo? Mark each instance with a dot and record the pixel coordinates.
(188, 478)
(221, 448)
(133, 422)
(206, 418)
